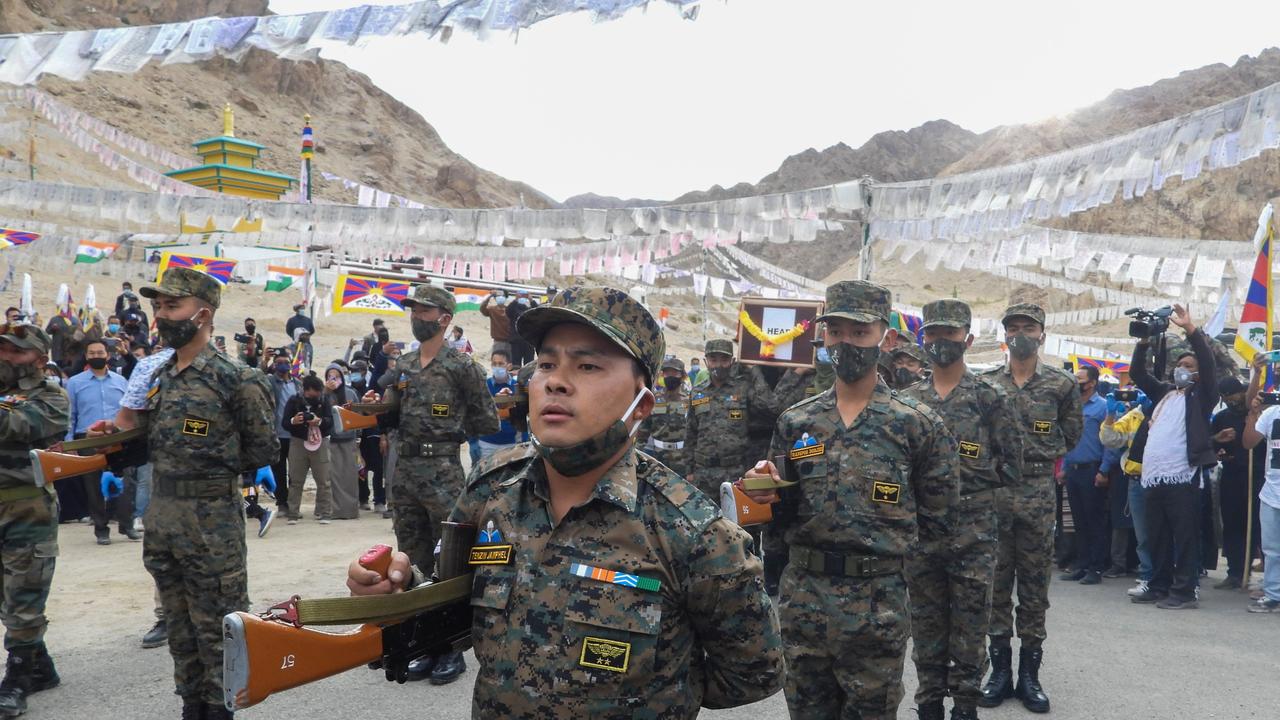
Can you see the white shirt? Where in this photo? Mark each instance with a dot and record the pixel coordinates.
(1164, 460)
(1270, 493)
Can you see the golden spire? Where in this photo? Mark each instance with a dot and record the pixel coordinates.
(228, 121)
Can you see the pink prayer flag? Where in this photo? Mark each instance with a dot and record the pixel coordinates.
(513, 268)
(539, 269)
(566, 266)
(526, 270)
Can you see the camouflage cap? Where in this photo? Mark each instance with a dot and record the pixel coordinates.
(947, 313)
(721, 347)
(432, 296)
(1026, 310)
(857, 300)
(613, 312)
(26, 336)
(912, 350)
(673, 363)
(180, 282)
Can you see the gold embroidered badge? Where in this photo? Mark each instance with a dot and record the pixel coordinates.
(884, 492)
(438, 410)
(1041, 427)
(490, 555)
(971, 450)
(605, 654)
(195, 426)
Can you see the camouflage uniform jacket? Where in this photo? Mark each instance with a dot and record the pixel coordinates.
(448, 401)
(718, 417)
(209, 422)
(985, 425)
(667, 424)
(30, 417)
(1050, 413)
(872, 488)
(552, 643)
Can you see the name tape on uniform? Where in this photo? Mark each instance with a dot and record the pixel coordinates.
(489, 555)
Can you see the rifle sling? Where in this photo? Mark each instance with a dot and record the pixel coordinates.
(94, 443)
(383, 608)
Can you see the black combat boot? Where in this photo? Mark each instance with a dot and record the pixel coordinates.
(217, 712)
(931, 711)
(192, 709)
(448, 668)
(43, 674)
(421, 668)
(964, 712)
(19, 675)
(999, 686)
(1029, 690)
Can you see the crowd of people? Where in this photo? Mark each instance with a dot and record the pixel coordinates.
(605, 452)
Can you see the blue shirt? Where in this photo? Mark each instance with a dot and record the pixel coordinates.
(94, 398)
(1090, 450)
(507, 434)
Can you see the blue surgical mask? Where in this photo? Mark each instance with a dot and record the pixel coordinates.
(355, 377)
(501, 376)
(113, 327)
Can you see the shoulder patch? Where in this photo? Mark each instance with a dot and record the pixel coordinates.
(507, 456)
(1062, 373)
(808, 400)
(687, 499)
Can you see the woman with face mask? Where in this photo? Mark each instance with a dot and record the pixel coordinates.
(308, 418)
(343, 466)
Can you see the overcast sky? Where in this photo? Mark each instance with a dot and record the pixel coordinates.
(652, 106)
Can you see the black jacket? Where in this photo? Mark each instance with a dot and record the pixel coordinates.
(298, 404)
(1202, 397)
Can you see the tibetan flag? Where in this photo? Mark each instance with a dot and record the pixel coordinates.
(1254, 332)
(1106, 368)
(910, 325)
(219, 269)
(280, 277)
(12, 238)
(368, 295)
(469, 298)
(308, 143)
(92, 252)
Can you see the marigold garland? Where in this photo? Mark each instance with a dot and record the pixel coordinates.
(769, 342)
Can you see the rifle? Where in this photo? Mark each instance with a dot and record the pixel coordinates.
(358, 416)
(277, 650)
(115, 452)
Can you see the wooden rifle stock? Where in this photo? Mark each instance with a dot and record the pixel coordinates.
(52, 466)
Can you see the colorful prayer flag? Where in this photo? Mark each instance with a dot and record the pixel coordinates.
(11, 238)
(910, 325)
(468, 298)
(368, 295)
(1106, 368)
(90, 251)
(1254, 332)
(308, 143)
(279, 277)
(219, 269)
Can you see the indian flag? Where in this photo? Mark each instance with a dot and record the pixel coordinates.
(469, 298)
(280, 277)
(92, 252)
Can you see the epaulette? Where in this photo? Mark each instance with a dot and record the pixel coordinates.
(517, 453)
(688, 500)
(811, 398)
(1063, 373)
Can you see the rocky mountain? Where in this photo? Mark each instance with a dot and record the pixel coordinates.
(362, 133)
(602, 202)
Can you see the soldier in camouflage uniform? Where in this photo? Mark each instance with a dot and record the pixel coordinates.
(876, 474)
(1049, 408)
(950, 581)
(442, 399)
(683, 624)
(34, 413)
(717, 441)
(209, 419)
(662, 433)
(909, 366)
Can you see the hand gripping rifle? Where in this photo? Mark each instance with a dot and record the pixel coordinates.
(278, 650)
(114, 452)
(360, 416)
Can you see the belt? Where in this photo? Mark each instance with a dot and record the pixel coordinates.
(830, 563)
(1043, 467)
(23, 492)
(1094, 463)
(429, 449)
(678, 445)
(211, 488)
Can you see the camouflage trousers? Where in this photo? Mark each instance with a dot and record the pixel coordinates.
(1025, 556)
(845, 640)
(951, 603)
(195, 550)
(28, 552)
(425, 490)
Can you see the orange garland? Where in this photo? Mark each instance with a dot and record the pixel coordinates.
(769, 342)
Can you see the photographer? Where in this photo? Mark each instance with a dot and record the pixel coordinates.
(250, 345)
(1179, 447)
(308, 418)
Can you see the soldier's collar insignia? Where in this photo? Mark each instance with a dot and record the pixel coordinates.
(604, 654)
(886, 492)
(195, 426)
(490, 535)
(617, 578)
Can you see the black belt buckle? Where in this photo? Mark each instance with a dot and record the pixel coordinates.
(833, 563)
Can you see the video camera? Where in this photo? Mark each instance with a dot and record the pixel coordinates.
(1270, 397)
(242, 338)
(1125, 395)
(1148, 323)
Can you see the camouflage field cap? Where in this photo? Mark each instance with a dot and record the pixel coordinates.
(1026, 310)
(947, 313)
(26, 336)
(613, 312)
(719, 347)
(432, 296)
(857, 300)
(912, 350)
(180, 282)
(673, 363)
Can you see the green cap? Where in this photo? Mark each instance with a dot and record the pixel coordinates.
(432, 296)
(857, 300)
(1027, 310)
(26, 336)
(613, 312)
(947, 313)
(671, 362)
(721, 347)
(180, 282)
(912, 350)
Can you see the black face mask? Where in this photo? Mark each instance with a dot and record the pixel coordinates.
(1085, 388)
(719, 374)
(97, 363)
(851, 362)
(944, 353)
(671, 383)
(424, 330)
(249, 329)
(177, 333)
(903, 377)
(1022, 347)
(282, 368)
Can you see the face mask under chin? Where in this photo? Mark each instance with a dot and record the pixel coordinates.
(582, 457)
